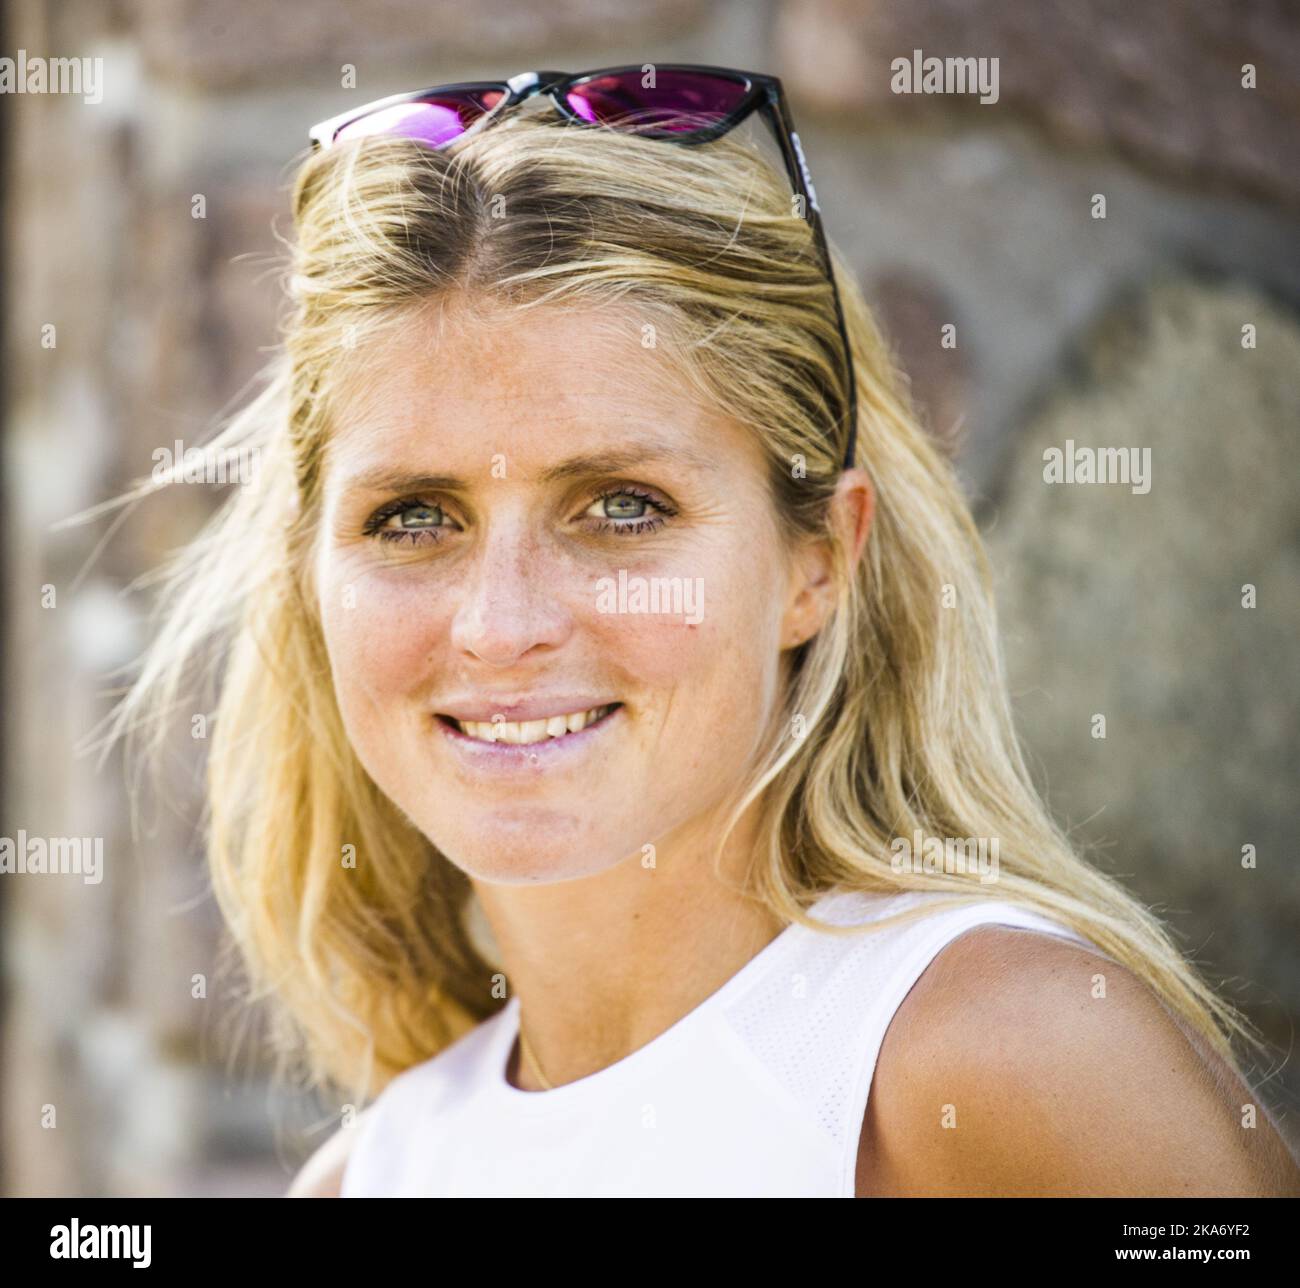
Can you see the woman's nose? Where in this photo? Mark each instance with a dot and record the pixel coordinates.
(511, 600)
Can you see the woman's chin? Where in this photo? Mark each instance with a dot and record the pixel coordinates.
(529, 845)
(521, 868)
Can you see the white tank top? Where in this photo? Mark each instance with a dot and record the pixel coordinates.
(758, 1092)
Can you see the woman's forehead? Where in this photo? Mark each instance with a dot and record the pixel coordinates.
(533, 386)
(503, 358)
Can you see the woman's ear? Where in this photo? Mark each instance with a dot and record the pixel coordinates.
(813, 588)
(853, 507)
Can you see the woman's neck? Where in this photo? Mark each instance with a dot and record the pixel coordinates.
(605, 964)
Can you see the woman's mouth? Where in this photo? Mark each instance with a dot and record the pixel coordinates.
(526, 733)
(516, 752)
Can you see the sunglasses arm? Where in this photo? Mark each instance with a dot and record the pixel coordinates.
(778, 113)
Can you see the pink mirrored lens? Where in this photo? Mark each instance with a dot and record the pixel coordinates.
(673, 102)
(435, 121)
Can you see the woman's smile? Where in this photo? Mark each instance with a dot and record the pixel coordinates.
(529, 730)
(531, 746)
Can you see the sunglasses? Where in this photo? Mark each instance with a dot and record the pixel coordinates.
(680, 103)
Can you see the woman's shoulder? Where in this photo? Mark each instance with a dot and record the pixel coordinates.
(424, 1087)
(321, 1176)
(1028, 1064)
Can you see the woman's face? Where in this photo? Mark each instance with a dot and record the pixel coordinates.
(499, 512)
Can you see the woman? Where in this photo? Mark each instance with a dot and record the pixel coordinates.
(613, 771)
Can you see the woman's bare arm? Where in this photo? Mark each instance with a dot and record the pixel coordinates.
(321, 1176)
(1003, 1074)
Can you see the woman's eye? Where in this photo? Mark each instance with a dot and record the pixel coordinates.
(409, 521)
(414, 522)
(627, 511)
(623, 505)
(421, 516)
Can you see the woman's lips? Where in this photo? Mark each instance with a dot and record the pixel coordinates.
(517, 757)
(528, 732)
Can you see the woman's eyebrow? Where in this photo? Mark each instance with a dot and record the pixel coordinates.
(388, 480)
(614, 462)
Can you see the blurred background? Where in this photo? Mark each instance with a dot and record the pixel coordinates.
(139, 242)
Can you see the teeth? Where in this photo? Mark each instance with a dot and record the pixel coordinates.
(530, 731)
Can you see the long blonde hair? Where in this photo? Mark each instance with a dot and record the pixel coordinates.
(900, 702)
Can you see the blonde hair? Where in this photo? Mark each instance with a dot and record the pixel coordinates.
(900, 700)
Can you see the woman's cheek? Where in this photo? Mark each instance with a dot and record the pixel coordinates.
(657, 651)
(704, 659)
(379, 633)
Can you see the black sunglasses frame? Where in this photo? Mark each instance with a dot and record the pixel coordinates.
(763, 94)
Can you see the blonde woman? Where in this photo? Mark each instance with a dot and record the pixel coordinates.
(610, 677)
